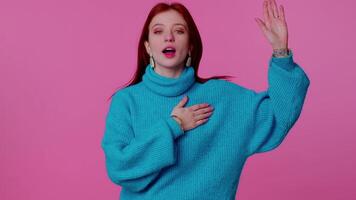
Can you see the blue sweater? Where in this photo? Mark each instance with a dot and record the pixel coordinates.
(151, 158)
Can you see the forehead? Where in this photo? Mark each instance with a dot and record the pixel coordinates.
(167, 18)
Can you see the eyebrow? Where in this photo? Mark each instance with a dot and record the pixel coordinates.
(173, 24)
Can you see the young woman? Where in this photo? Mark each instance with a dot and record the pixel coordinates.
(160, 145)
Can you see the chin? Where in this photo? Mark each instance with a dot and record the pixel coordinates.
(170, 64)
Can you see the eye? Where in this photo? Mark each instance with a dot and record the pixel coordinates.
(155, 32)
(180, 31)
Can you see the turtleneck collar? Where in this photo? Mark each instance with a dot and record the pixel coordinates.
(167, 86)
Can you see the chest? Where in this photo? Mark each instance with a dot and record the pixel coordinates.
(222, 134)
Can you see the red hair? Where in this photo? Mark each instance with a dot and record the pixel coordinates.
(194, 40)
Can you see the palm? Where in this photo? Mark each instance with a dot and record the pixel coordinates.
(274, 26)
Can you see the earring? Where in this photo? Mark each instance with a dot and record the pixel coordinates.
(152, 62)
(189, 60)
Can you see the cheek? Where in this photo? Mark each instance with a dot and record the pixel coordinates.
(184, 39)
(154, 38)
(183, 43)
(155, 44)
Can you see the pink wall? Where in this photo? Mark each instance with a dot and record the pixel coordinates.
(61, 59)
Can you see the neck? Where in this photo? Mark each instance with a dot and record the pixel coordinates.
(170, 72)
(169, 86)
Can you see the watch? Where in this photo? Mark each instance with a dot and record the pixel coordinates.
(280, 53)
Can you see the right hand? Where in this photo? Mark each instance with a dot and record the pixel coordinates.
(192, 116)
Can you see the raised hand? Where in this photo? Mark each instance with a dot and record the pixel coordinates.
(274, 26)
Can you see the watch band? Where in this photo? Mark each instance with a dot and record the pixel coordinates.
(278, 53)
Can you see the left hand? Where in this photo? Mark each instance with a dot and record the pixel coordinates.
(274, 27)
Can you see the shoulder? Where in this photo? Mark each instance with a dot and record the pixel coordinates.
(228, 87)
(122, 98)
(127, 92)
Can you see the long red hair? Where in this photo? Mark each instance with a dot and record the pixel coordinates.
(194, 40)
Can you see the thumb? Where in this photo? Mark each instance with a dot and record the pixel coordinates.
(182, 102)
(261, 24)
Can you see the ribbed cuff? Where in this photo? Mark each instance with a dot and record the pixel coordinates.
(175, 127)
(284, 62)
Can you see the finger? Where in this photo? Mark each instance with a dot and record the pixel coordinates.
(281, 9)
(182, 102)
(265, 10)
(203, 116)
(198, 106)
(270, 10)
(201, 121)
(261, 24)
(275, 10)
(203, 110)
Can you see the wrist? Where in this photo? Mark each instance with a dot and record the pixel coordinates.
(178, 120)
(281, 45)
(281, 52)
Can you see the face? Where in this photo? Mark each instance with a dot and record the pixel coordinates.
(168, 29)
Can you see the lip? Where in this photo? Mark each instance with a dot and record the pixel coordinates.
(169, 55)
(169, 46)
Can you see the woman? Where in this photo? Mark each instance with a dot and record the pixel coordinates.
(158, 145)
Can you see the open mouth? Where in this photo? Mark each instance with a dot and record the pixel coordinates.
(169, 52)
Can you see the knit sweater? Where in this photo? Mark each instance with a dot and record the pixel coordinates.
(152, 158)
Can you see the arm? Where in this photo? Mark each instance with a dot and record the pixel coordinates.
(134, 162)
(277, 109)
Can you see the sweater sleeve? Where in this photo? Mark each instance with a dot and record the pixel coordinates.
(134, 162)
(277, 109)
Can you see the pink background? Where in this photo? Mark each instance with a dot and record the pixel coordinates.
(61, 59)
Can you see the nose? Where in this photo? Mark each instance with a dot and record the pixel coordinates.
(169, 37)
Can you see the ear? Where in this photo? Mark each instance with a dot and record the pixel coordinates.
(191, 48)
(148, 50)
